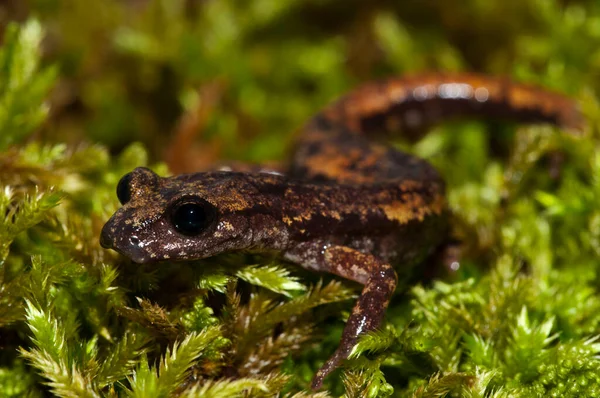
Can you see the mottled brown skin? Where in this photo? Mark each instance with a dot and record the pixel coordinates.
(348, 205)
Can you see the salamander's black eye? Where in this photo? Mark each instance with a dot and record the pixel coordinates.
(124, 189)
(191, 218)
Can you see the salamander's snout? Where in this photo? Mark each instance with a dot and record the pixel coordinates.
(105, 239)
(124, 242)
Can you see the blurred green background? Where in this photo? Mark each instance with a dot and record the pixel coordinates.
(246, 74)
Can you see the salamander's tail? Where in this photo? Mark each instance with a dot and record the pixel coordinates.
(336, 144)
(414, 104)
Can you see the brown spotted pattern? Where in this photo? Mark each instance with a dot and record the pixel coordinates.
(348, 205)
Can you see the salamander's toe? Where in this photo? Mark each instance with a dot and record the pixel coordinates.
(332, 364)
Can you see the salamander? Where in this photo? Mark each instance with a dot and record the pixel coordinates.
(348, 204)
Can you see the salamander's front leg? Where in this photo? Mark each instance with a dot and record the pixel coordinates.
(380, 282)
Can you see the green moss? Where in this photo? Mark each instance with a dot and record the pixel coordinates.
(90, 90)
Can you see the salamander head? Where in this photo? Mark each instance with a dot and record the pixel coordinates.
(185, 217)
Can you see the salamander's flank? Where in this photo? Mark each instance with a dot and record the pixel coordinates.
(348, 205)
